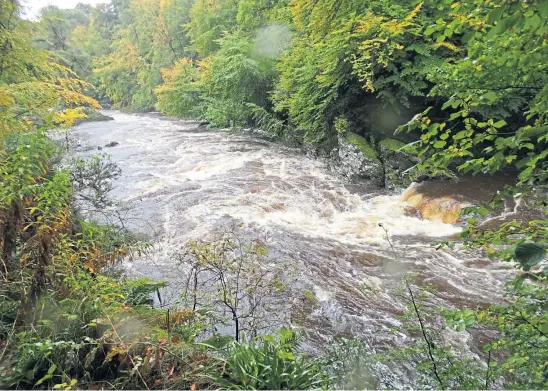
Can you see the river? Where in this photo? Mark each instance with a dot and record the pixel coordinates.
(180, 181)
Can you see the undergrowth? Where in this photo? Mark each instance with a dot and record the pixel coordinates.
(69, 320)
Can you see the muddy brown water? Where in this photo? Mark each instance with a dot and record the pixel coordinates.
(180, 181)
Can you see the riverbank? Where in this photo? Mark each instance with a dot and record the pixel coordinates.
(181, 182)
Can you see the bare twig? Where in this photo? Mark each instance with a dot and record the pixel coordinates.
(429, 344)
(424, 335)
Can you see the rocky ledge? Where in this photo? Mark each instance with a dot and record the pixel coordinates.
(93, 115)
(356, 160)
(384, 164)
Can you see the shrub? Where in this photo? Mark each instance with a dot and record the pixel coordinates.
(269, 363)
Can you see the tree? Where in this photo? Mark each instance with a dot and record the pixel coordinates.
(492, 98)
(208, 20)
(237, 280)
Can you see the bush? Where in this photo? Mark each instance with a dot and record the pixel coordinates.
(269, 363)
(181, 93)
(221, 87)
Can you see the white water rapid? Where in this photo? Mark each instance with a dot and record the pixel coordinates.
(180, 181)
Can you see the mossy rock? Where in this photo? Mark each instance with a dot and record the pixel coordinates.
(398, 165)
(93, 116)
(391, 144)
(358, 160)
(363, 145)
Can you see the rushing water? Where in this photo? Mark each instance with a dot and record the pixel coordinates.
(180, 181)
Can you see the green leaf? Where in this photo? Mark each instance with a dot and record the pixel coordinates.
(543, 9)
(439, 144)
(52, 369)
(483, 211)
(490, 96)
(46, 377)
(455, 115)
(529, 254)
(499, 124)
(460, 135)
(525, 174)
(495, 14)
(533, 22)
(429, 30)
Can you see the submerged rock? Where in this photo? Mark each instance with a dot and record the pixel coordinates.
(112, 144)
(444, 209)
(358, 160)
(398, 165)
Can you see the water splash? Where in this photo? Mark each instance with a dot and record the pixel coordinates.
(187, 183)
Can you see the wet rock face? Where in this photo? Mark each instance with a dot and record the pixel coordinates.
(310, 149)
(398, 172)
(358, 160)
(385, 166)
(322, 150)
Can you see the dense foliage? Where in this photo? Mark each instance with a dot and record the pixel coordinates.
(456, 72)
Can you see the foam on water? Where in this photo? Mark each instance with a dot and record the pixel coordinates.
(186, 182)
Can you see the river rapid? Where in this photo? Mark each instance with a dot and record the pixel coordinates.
(180, 181)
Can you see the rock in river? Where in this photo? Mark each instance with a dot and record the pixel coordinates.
(398, 172)
(359, 160)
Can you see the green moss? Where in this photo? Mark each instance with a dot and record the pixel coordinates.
(392, 144)
(310, 297)
(342, 125)
(362, 144)
(391, 176)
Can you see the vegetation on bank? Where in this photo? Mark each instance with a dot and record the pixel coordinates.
(67, 320)
(467, 80)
